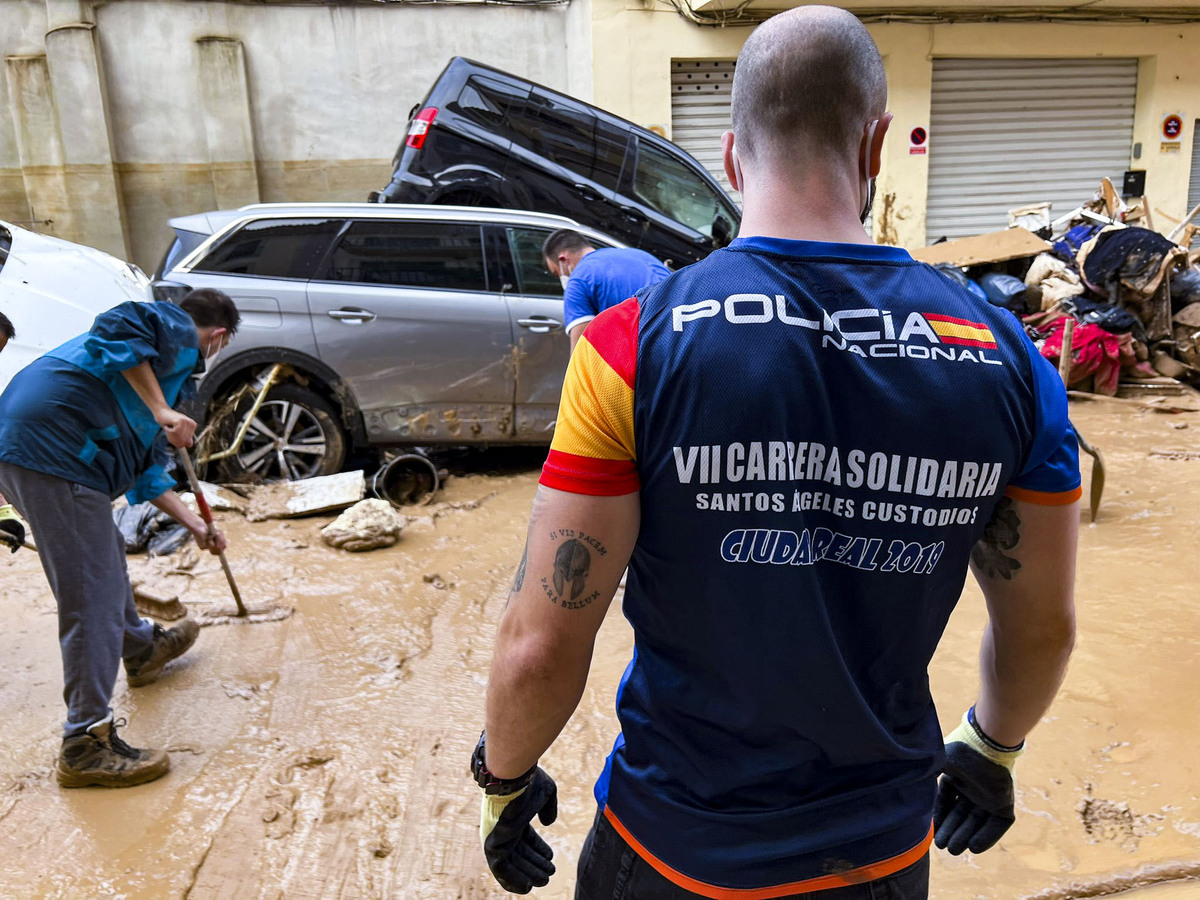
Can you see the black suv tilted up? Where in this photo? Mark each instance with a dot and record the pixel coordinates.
(483, 137)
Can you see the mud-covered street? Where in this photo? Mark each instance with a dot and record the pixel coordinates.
(326, 755)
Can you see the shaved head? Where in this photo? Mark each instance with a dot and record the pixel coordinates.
(807, 81)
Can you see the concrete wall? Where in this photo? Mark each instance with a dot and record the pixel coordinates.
(634, 46)
(192, 105)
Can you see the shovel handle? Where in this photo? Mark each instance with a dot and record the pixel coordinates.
(206, 515)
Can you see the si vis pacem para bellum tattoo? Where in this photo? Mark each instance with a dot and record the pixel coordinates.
(1003, 532)
(567, 585)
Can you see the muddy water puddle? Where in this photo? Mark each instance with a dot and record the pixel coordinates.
(325, 755)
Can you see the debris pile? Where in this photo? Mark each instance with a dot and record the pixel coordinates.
(1132, 293)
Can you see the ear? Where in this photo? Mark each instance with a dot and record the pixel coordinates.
(731, 171)
(876, 148)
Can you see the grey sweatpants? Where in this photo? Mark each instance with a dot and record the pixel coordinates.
(83, 556)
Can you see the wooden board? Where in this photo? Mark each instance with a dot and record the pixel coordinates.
(998, 246)
(305, 498)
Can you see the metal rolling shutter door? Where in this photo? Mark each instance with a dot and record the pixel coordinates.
(1007, 132)
(1194, 182)
(700, 94)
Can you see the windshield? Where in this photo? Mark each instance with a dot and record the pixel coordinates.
(672, 188)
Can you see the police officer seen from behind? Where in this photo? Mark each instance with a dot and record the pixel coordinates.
(798, 445)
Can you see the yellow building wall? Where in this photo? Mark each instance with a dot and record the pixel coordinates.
(633, 47)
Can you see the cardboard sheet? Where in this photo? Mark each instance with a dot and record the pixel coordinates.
(998, 246)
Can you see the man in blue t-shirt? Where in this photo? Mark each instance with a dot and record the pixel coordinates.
(595, 279)
(797, 446)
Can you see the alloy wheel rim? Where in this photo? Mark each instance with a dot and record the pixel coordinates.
(285, 441)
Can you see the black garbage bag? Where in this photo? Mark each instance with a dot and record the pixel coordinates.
(1004, 291)
(1185, 288)
(145, 527)
(1112, 319)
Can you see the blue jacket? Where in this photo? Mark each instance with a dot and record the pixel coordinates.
(72, 414)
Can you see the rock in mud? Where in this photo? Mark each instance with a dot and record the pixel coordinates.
(364, 526)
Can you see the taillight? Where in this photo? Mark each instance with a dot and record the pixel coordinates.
(420, 127)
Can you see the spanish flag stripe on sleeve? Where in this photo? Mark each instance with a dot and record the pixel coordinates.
(593, 447)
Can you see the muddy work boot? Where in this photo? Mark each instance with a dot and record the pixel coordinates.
(100, 757)
(169, 643)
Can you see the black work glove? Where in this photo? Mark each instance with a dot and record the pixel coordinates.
(974, 805)
(11, 525)
(516, 854)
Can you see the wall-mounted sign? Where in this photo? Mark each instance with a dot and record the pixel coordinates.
(916, 141)
(1172, 127)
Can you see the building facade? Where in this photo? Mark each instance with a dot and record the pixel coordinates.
(124, 113)
(995, 106)
(121, 114)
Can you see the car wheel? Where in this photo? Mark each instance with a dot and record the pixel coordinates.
(295, 435)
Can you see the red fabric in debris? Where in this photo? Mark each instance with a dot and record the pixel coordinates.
(1097, 354)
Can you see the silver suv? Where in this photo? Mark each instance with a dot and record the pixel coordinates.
(397, 325)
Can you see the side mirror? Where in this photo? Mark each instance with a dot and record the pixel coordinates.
(170, 291)
(722, 231)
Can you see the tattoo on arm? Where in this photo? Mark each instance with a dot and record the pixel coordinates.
(519, 580)
(1002, 533)
(572, 561)
(567, 585)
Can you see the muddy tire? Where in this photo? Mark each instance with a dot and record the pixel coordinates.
(295, 435)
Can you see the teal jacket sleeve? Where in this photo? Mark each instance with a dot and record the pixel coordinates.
(151, 484)
(132, 333)
(154, 480)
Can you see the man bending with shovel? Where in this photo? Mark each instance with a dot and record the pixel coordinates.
(79, 426)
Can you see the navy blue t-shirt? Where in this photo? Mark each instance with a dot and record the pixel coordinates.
(819, 433)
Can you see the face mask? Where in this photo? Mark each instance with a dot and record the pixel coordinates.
(210, 355)
(563, 279)
(737, 169)
(866, 210)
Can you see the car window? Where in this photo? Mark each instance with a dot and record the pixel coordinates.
(185, 242)
(533, 277)
(562, 132)
(410, 254)
(610, 154)
(273, 248)
(675, 190)
(483, 101)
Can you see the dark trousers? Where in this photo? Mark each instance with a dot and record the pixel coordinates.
(83, 556)
(609, 869)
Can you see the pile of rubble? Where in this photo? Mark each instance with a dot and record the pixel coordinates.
(1132, 296)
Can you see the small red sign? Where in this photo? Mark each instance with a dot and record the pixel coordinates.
(1172, 127)
(917, 151)
(918, 136)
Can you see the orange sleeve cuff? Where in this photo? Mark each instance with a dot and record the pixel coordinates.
(1041, 498)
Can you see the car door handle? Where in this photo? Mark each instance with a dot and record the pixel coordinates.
(633, 214)
(352, 316)
(540, 324)
(586, 193)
